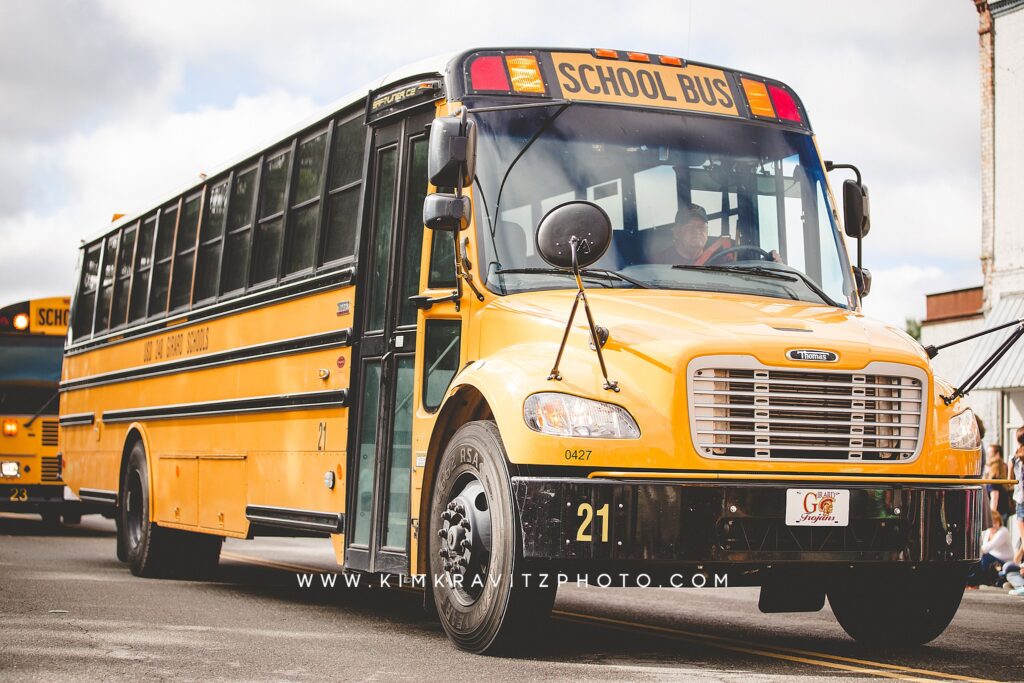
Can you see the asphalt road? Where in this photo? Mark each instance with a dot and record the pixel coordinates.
(69, 611)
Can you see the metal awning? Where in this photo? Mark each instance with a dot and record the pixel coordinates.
(1008, 372)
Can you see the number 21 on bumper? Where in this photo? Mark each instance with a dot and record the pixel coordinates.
(586, 513)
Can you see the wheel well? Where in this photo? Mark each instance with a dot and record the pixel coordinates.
(129, 442)
(466, 405)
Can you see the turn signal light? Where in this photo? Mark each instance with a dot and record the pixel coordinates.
(757, 98)
(21, 321)
(10, 427)
(525, 73)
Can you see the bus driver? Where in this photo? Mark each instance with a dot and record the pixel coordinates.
(692, 247)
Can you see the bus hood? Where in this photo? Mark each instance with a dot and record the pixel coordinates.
(669, 328)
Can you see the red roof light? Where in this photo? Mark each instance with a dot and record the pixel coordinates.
(488, 73)
(785, 105)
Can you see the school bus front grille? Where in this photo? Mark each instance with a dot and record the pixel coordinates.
(742, 409)
(49, 430)
(50, 469)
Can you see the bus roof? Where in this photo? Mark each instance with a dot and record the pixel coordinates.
(614, 77)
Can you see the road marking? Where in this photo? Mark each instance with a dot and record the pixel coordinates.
(884, 669)
(774, 651)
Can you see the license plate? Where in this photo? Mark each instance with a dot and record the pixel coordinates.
(817, 507)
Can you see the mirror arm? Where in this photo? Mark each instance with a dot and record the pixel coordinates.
(829, 167)
(574, 243)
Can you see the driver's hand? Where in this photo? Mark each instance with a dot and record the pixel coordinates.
(775, 256)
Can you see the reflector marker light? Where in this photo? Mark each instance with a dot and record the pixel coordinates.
(606, 54)
(784, 103)
(757, 98)
(488, 73)
(525, 74)
(638, 57)
(21, 321)
(670, 61)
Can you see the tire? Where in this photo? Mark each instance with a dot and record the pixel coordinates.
(150, 550)
(495, 609)
(897, 607)
(72, 517)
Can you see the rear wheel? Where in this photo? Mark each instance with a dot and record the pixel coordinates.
(151, 550)
(483, 599)
(897, 607)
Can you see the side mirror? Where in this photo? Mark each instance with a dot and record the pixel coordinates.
(585, 221)
(862, 277)
(856, 209)
(446, 212)
(451, 155)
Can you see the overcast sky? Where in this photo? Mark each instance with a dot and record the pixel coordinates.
(111, 106)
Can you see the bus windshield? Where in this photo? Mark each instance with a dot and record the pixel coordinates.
(30, 360)
(696, 203)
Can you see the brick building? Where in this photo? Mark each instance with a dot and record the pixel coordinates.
(999, 398)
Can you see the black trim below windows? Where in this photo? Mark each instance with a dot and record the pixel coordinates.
(77, 419)
(256, 404)
(312, 342)
(98, 496)
(306, 520)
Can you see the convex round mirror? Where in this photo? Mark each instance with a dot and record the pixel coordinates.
(585, 221)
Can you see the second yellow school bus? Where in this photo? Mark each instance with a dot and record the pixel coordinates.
(284, 348)
(31, 346)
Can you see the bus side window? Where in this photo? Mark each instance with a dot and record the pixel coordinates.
(143, 266)
(267, 238)
(211, 239)
(119, 312)
(161, 275)
(239, 235)
(86, 300)
(440, 359)
(106, 283)
(342, 224)
(181, 282)
(304, 217)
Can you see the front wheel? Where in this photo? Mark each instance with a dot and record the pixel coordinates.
(486, 602)
(897, 607)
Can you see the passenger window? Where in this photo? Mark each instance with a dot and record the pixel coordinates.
(107, 284)
(304, 217)
(86, 299)
(239, 236)
(119, 312)
(143, 266)
(440, 359)
(657, 199)
(181, 289)
(267, 239)
(609, 197)
(342, 222)
(162, 266)
(211, 242)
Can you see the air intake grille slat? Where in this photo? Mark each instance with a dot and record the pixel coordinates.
(742, 409)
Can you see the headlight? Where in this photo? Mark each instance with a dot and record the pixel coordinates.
(9, 469)
(10, 427)
(565, 415)
(963, 432)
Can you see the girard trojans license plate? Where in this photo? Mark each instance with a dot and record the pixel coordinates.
(817, 507)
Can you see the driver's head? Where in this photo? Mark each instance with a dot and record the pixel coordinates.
(690, 231)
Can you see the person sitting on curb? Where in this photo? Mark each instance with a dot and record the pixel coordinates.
(996, 551)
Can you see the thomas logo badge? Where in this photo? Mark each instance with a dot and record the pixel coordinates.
(813, 355)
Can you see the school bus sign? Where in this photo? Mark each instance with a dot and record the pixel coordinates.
(49, 316)
(692, 88)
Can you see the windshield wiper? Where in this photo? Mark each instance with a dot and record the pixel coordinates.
(593, 272)
(787, 274)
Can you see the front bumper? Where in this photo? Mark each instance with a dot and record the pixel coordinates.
(33, 497)
(739, 523)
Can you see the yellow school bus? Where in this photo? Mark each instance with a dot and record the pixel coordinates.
(31, 345)
(517, 317)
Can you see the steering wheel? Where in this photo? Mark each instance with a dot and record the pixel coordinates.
(765, 256)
